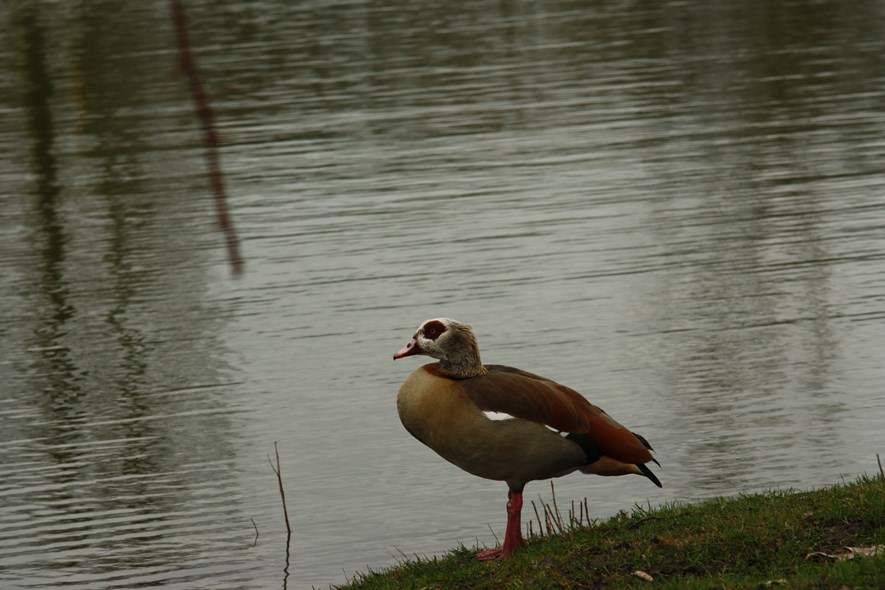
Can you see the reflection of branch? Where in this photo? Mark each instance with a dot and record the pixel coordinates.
(286, 568)
(204, 112)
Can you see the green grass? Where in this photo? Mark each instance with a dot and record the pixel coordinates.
(752, 541)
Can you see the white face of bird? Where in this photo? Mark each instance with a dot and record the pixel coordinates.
(436, 338)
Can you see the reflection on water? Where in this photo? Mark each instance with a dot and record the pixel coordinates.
(210, 134)
(114, 435)
(674, 208)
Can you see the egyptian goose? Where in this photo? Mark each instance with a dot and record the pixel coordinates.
(507, 424)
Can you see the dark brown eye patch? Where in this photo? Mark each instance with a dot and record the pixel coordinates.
(432, 330)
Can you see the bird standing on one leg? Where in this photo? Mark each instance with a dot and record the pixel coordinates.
(507, 424)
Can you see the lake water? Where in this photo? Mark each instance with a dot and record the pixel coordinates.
(677, 208)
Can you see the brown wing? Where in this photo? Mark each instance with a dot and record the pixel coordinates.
(531, 397)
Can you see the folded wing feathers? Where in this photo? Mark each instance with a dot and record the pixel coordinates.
(524, 395)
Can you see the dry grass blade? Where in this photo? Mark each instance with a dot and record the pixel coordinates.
(553, 521)
(491, 530)
(555, 507)
(540, 528)
(548, 521)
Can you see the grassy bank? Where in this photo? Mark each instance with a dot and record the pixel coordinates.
(776, 539)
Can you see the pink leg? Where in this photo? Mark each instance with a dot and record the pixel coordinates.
(513, 534)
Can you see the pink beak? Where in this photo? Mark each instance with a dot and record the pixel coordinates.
(409, 349)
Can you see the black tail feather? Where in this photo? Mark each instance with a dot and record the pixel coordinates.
(644, 442)
(648, 473)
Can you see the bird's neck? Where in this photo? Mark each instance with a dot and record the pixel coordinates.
(464, 366)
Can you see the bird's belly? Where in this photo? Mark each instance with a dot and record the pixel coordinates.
(438, 413)
(512, 450)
